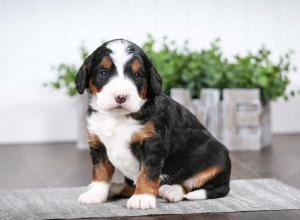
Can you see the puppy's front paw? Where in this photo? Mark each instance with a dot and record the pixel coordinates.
(141, 201)
(91, 198)
(97, 193)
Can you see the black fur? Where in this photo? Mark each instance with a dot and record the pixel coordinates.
(90, 111)
(98, 154)
(128, 181)
(154, 83)
(181, 146)
(81, 77)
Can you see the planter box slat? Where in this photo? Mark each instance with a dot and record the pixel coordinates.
(211, 102)
(242, 125)
(247, 118)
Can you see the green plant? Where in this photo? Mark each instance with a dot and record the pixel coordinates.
(207, 68)
(66, 75)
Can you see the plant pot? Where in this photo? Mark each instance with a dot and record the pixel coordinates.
(240, 121)
(246, 122)
(82, 135)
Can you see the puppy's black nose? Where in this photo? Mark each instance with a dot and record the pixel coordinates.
(120, 98)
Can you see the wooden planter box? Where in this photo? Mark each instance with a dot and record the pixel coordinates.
(240, 120)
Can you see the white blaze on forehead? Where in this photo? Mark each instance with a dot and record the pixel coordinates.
(119, 55)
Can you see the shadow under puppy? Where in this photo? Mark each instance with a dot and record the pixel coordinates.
(159, 146)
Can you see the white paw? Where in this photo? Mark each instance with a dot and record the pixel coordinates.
(97, 193)
(172, 193)
(197, 194)
(142, 201)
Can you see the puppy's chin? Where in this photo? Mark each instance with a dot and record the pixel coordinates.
(119, 110)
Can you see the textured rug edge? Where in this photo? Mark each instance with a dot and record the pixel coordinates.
(161, 210)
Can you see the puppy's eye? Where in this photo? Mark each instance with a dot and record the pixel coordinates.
(131, 50)
(104, 73)
(137, 74)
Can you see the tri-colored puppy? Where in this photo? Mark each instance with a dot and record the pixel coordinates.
(159, 146)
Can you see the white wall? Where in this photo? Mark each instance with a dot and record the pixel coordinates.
(36, 34)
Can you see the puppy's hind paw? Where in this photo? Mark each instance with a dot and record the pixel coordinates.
(172, 193)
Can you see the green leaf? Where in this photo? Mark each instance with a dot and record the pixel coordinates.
(263, 81)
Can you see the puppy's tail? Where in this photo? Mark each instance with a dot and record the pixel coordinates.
(213, 193)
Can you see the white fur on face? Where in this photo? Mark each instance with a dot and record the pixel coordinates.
(119, 55)
(119, 85)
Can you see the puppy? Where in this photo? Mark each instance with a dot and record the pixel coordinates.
(159, 146)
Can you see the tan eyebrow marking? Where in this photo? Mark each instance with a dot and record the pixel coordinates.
(106, 63)
(135, 65)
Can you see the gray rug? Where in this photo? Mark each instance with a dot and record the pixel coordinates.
(53, 203)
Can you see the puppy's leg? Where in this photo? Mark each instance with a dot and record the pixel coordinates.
(191, 188)
(102, 174)
(215, 176)
(145, 192)
(216, 192)
(147, 183)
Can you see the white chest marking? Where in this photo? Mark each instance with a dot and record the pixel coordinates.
(115, 133)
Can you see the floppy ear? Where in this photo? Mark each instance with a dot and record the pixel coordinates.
(81, 80)
(154, 83)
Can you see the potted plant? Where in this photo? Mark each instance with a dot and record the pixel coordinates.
(212, 80)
